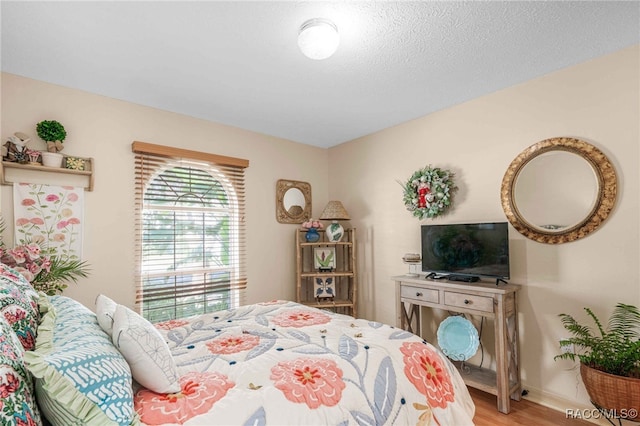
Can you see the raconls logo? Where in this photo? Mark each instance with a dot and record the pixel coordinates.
(594, 413)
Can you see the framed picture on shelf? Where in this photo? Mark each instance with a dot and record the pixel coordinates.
(324, 258)
(324, 288)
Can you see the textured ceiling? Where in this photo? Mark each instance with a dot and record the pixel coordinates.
(238, 63)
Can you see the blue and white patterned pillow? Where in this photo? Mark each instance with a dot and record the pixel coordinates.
(81, 377)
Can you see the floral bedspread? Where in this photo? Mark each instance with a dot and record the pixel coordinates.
(282, 363)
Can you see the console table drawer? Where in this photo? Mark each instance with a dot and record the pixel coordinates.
(418, 293)
(461, 300)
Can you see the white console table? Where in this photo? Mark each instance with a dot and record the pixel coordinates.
(485, 299)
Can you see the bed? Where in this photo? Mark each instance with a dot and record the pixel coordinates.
(275, 363)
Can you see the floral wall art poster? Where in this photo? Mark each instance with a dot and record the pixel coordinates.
(51, 216)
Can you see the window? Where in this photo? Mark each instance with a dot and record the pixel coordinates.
(189, 232)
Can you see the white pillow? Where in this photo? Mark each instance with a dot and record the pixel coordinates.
(146, 351)
(105, 309)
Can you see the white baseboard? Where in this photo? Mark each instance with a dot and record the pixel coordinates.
(570, 408)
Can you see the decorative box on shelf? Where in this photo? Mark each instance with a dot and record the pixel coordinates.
(75, 163)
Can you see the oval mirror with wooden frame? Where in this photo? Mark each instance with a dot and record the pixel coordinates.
(293, 201)
(558, 190)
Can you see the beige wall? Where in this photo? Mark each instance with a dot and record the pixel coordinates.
(598, 102)
(104, 128)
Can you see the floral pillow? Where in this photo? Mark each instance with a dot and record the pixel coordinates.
(19, 305)
(17, 402)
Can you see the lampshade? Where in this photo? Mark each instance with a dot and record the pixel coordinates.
(318, 38)
(334, 210)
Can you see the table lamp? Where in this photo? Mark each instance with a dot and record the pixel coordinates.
(334, 211)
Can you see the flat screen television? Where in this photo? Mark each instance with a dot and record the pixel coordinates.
(466, 252)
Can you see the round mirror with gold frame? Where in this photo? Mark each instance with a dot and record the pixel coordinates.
(558, 190)
(293, 201)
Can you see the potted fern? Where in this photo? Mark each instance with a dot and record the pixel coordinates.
(609, 358)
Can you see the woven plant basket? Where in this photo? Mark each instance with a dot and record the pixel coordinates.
(617, 393)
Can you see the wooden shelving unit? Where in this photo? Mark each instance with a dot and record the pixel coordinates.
(344, 274)
(33, 168)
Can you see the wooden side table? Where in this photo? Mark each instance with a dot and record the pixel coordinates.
(485, 299)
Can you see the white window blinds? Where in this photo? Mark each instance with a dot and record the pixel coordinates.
(190, 238)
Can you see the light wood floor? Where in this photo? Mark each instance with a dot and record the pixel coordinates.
(523, 413)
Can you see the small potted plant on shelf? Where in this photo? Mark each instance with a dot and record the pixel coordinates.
(609, 359)
(53, 133)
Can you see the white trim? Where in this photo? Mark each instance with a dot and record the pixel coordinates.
(562, 405)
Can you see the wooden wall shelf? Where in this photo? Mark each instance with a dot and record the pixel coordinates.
(89, 166)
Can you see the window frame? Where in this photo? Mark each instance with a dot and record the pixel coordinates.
(154, 160)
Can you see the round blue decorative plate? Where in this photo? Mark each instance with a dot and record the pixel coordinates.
(458, 338)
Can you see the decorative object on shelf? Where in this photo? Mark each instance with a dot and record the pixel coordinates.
(609, 358)
(52, 159)
(428, 192)
(412, 257)
(53, 133)
(16, 148)
(334, 211)
(74, 163)
(312, 227)
(324, 258)
(312, 235)
(34, 157)
(414, 260)
(324, 288)
(458, 338)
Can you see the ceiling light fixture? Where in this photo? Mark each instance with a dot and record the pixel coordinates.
(318, 38)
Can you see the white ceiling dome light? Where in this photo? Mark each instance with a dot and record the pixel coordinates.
(318, 38)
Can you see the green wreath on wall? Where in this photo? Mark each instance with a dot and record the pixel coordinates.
(428, 192)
